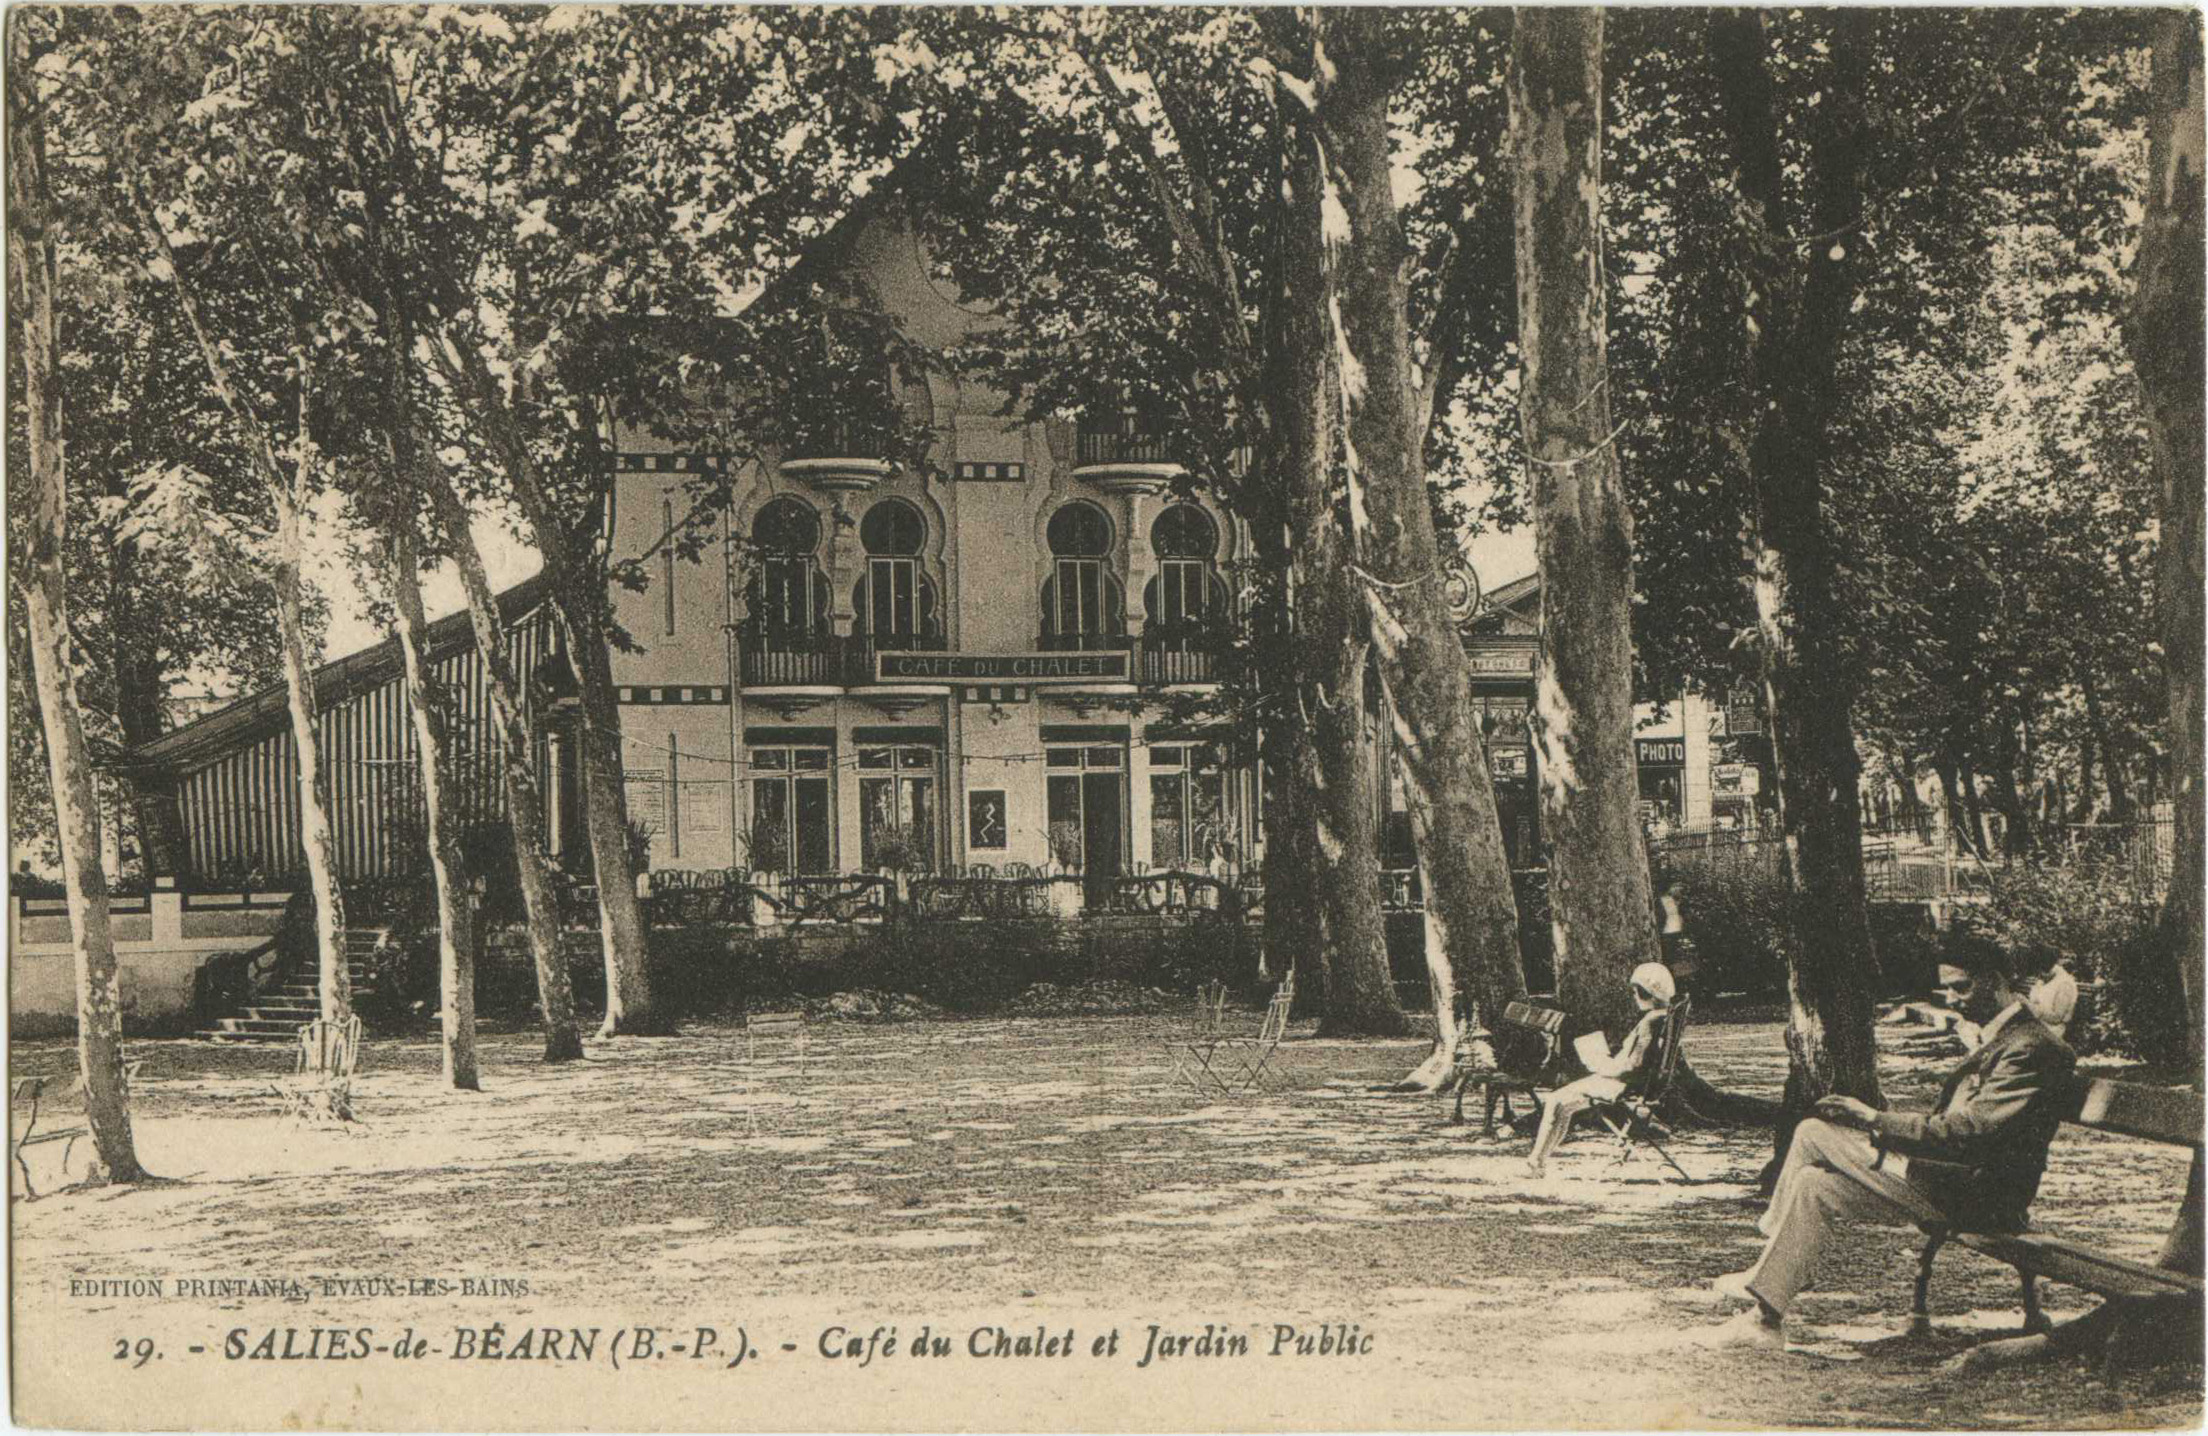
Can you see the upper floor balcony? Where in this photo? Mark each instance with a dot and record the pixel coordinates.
(837, 454)
(1100, 640)
(1181, 653)
(831, 661)
(1122, 455)
(819, 658)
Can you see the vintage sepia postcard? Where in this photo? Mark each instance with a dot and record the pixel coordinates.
(1063, 719)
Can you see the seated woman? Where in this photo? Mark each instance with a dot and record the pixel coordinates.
(1613, 1077)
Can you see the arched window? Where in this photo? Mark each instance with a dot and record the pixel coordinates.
(895, 601)
(788, 594)
(1187, 599)
(1083, 603)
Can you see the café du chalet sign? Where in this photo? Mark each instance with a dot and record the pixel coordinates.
(1103, 666)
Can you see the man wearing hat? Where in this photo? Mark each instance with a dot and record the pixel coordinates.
(1974, 1161)
(1613, 1077)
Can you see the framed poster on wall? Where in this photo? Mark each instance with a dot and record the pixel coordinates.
(985, 823)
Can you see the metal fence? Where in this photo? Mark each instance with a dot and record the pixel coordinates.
(1904, 864)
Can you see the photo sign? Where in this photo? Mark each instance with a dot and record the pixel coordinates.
(1660, 752)
(1105, 666)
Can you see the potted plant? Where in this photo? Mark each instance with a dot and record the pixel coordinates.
(900, 852)
(1066, 896)
(767, 850)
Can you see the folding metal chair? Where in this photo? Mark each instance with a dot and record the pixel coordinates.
(1632, 1117)
(329, 1047)
(769, 1024)
(1257, 1059)
(1194, 1053)
(1234, 1064)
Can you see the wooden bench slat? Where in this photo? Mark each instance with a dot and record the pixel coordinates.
(2159, 1114)
(1540, 1019)
(764, 1022)
(2078, 1265)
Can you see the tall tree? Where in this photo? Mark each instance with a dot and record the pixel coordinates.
(1360, 63)
(370, 128)
(2165, 337)
(34, 224)
(517, 772)
(288, 471)
(1583, 723)
(1327, 734)
(455, 922)
(1792, 325)
(1168, 148)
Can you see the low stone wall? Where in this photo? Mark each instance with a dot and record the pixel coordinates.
(161, 942)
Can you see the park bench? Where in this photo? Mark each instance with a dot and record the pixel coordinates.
(1529, 1045)
(2167, 1115)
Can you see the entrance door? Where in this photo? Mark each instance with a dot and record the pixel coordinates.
(1100, 808)
(1087, 812)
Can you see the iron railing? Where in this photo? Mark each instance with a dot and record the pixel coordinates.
(1118, 442)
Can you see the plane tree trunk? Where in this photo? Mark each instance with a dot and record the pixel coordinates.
(1602, 914)
(1471, 911)
(578, 594)
(517, 771)
(455, 925)
(1328, 724)
(316, 836)
(287, 492)
(1792, 329)
(2165, 340)
(32, 277)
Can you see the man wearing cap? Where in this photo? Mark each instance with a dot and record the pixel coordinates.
(1974, 1161)
(1613, 1077)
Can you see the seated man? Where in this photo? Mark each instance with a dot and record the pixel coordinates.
(1973, 1162)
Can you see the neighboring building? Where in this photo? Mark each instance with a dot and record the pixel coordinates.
(1703, 761)
(234, 777)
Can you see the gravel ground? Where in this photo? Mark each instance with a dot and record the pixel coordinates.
(1028, 1175)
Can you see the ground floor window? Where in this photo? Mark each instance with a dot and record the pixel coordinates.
(1662, 800)
(897, 808)
(1190, 821)
(1087, 808)
(792, 811)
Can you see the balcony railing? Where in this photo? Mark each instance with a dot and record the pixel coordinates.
(1163, 664)
(1082, 642)
(836, 437)
(788, 660)
(1118, 444)
(1182, 652)
(805, 660)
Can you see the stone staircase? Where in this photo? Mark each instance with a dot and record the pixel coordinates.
(279, 1010)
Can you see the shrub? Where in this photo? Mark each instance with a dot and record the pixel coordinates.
(2095, 915)
(1736, 917)
(899, 849)
(960, 967)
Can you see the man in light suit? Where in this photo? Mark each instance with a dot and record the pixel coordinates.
(1972, 1162)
